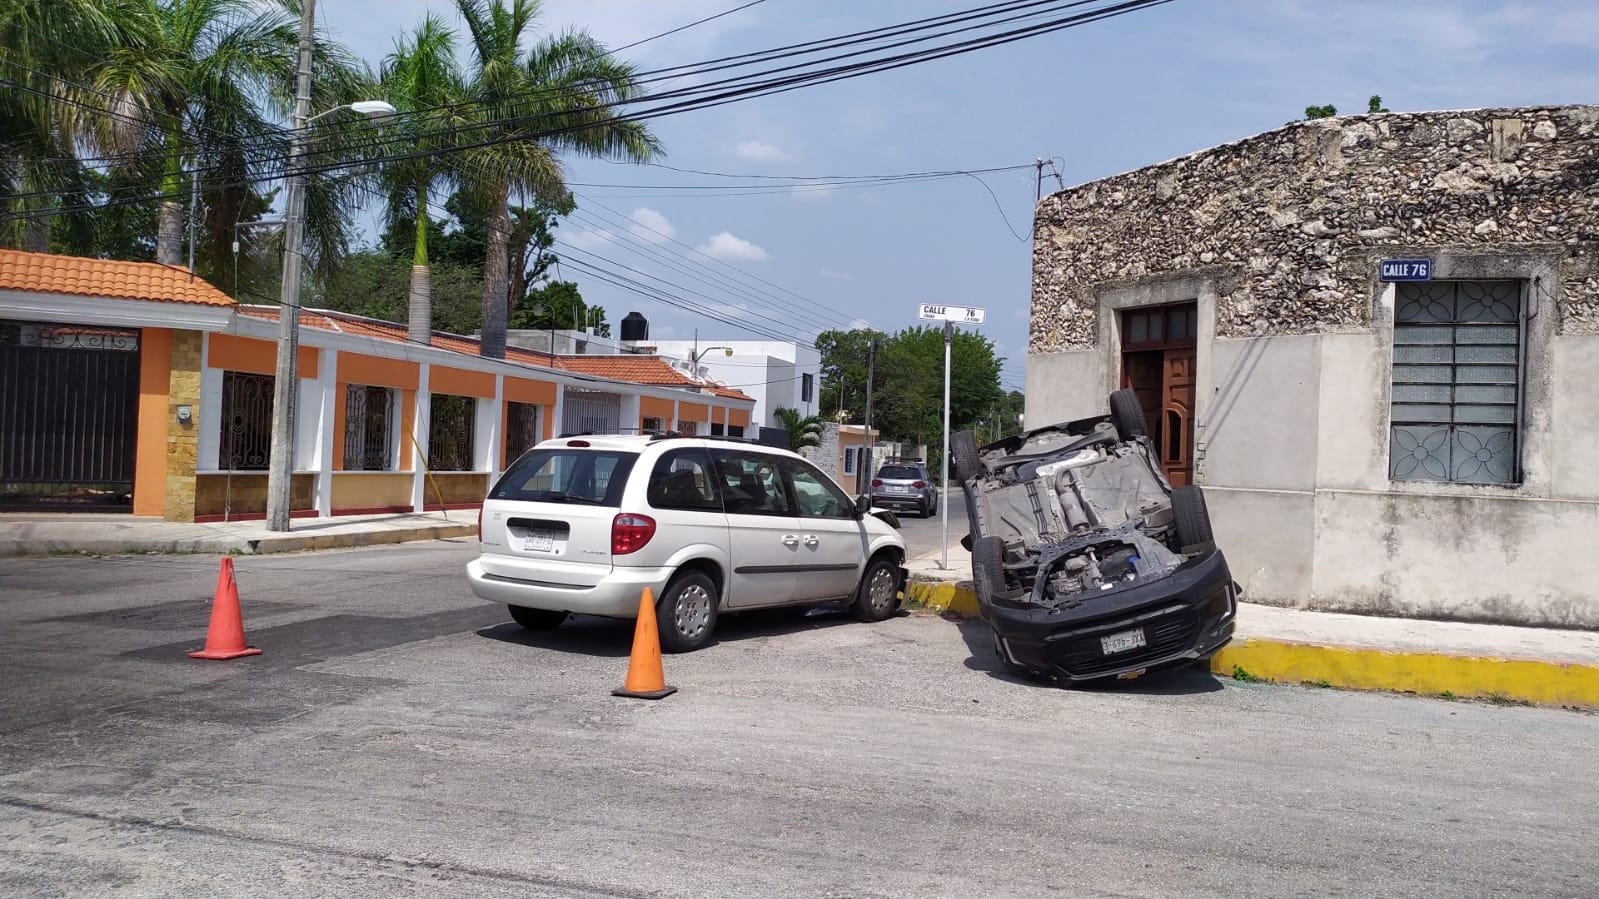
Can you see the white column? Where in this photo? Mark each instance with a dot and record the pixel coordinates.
(631, 404)
(326, 457)
(496, 442)
(419, 430)
(208, 418)
(486, 433)
(558, 413)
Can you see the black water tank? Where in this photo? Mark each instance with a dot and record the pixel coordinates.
(635, 327)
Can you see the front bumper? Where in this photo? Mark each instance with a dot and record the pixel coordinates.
(1181, 618)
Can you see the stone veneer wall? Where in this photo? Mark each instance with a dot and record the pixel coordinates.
(183, 440)
(1291, 223)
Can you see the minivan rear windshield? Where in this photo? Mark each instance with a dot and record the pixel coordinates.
(560, 475)
(899, 471)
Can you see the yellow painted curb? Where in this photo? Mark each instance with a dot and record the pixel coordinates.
(944, 596)
(1433, 674)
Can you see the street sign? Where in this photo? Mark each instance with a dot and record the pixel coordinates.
(966, 315)
(1405, 270)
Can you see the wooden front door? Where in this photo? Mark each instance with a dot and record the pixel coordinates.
(1159, 355)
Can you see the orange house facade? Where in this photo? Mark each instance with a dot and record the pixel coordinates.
(134, 387)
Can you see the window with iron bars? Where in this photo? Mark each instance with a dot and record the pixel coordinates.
(246, 421)
(521, 429)
(451, 424)
(1456, 402)
(368, 428)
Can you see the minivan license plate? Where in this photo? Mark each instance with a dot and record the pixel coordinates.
(1123, 641)
(539, 542)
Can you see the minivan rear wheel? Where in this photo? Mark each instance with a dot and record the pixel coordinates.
(537, 619)
(686, 614)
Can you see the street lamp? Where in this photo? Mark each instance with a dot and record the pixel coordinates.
(285, 392)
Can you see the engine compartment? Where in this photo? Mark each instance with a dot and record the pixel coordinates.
(1083, 513)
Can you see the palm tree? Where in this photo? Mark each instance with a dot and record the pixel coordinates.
(423, 82)
(199, 85)
(553, 97)
(803, 430)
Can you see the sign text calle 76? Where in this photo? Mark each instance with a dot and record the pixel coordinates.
(968, 315)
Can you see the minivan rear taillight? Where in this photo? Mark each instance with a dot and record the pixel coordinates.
(629, 532)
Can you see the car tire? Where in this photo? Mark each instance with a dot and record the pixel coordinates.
(963, 456)
(685, 614)
(988, 570)
(537, 619)
(1191, 520)
(1127, 414)
(877, 596)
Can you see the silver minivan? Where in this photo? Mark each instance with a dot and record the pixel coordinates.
(582, 524)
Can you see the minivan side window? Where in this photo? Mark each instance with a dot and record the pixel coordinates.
(751, 484)
(816, 494)
(561, 475)
(684, 479)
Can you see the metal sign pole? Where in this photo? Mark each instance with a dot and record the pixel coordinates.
(949, 331)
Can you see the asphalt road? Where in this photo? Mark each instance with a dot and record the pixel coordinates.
(926, 535)
(399, 738)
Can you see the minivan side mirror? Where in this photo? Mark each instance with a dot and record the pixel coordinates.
(863, 504)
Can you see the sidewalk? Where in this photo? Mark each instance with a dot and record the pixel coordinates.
(24, 534)
(1360, 652)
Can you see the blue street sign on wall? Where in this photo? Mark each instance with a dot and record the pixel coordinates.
(1406, 270)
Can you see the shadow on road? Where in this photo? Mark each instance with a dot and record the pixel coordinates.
(613, 637)
(1172, 682)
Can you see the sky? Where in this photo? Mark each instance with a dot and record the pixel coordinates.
(1095, 100)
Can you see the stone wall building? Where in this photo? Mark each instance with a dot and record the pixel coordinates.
(1366, 443)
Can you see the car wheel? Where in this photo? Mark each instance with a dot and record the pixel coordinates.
(988, 570)
(1191, 520)
(1127, 414)
(686, 613)
(963, 455)
(877, 597)
(537, 619)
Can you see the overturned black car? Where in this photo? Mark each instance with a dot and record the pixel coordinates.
(1087, 564)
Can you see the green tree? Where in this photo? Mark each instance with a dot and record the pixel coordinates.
(845, 358)
(908, 388)
(558, 95)
(803, 430)
(1374, 104)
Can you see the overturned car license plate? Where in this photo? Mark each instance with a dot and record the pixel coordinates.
(1123, 641)
(539, 541)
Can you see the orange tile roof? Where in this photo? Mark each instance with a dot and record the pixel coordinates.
(651, 370)
(81, 276)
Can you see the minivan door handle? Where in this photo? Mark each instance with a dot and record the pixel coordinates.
(811, 540)
(790, 540)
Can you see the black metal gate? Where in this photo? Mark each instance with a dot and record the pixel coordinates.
(69, 412)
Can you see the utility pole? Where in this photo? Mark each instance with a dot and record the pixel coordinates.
(864, 475)
(1038, 182)
(285, 389)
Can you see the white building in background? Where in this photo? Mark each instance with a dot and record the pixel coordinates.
(774, 373)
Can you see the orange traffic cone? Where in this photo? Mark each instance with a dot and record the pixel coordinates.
(645, 678)
(225, 638)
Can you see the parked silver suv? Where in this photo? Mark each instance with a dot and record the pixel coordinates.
(583, 524)
(905, 484)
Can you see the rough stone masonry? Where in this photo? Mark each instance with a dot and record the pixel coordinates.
(1291, 222)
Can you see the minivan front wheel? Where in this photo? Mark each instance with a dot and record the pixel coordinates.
(877, 597)
(686, 614)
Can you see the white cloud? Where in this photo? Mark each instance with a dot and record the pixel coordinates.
(760, 151)
(831, 275)
(587, 238)
(651, 226)
(728, 248)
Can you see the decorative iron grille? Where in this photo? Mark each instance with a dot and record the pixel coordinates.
(69, 405)
(246, 421)
(590, 411)
(521, 429)
(688, 428)
(368, 419)
(450, 431)
(1456, 382)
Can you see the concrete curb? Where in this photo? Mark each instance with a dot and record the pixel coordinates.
(234, 545)
(1440, 674)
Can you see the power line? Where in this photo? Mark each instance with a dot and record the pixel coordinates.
(656, 37)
